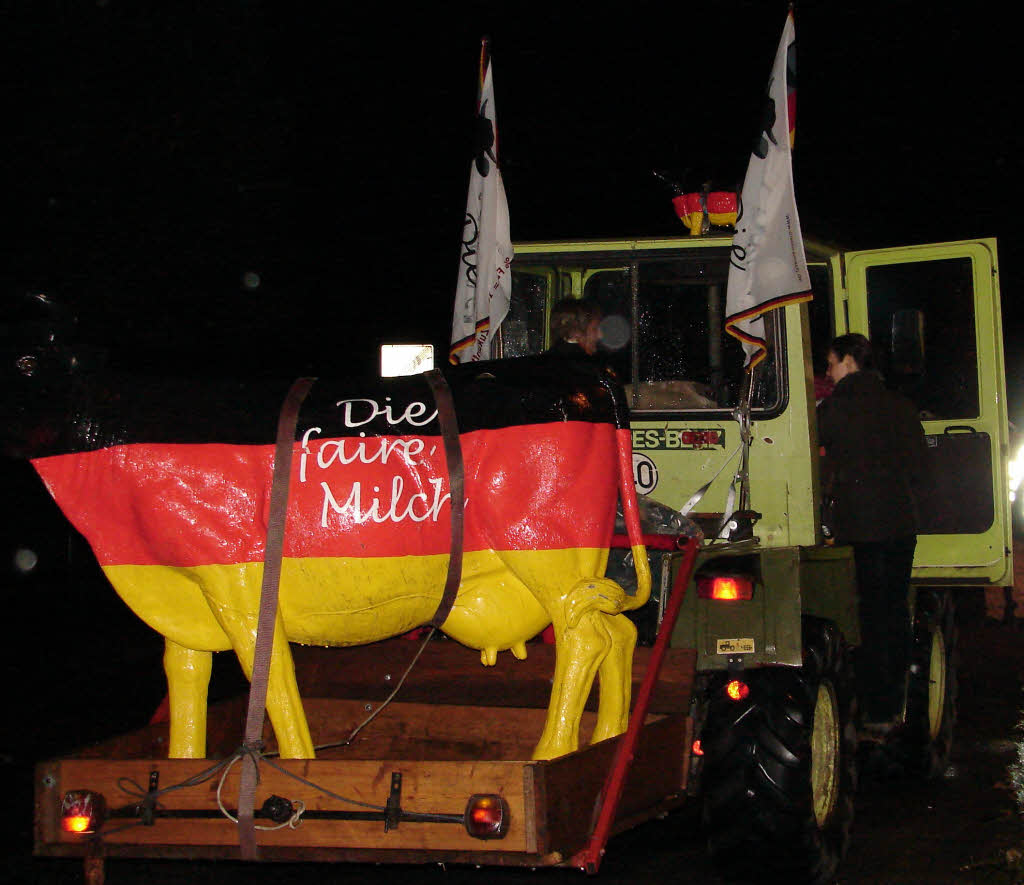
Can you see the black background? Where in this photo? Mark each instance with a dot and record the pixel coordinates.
(157, 152)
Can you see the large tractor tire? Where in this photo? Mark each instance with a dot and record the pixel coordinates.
(780, 766)
(924, 744)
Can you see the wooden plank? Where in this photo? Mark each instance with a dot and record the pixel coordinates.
(530, 807)
(450, 673)
(48, 795)
(573, 783)
(399, 731)
(306, 854)
(428, 731)
(447, 674)
(434, 787)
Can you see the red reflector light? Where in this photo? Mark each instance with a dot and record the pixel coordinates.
(725, 587)
(737, 690)
(82, 811)
(697, 749)
(78, 823)
(487, 816)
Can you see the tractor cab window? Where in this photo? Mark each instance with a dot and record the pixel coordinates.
(522, 331)
(921, 317)
(663, 330)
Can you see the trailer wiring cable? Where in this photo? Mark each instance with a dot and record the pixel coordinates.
(148, 803)
(322, 789)
(347, 742)
(148, 800)
(292, 822)
(259, 756)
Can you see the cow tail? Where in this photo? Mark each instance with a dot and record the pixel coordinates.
(631, 514)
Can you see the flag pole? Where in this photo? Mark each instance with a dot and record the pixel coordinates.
(768, 267)
(484, 51)
(497, 339)
(483, 289)
(485, 55)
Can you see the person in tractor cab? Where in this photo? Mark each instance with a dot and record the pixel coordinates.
(872, 469)
(575, 328)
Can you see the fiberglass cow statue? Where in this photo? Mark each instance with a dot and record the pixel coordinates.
(171, 485)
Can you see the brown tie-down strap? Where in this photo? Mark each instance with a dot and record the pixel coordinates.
(456, 486)
(279, 489)
(253, 740)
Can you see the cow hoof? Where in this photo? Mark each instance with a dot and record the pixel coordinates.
(544, 752)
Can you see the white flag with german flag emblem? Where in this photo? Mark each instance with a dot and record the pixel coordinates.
(768, 268)
(483, 291)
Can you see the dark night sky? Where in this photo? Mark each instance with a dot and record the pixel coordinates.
(158, 151)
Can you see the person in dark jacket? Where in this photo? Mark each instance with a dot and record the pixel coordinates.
(874, 458)
(575, 328)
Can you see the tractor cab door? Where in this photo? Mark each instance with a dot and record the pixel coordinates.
(933, 316)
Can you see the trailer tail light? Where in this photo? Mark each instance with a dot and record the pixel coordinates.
(82, 811)
(487, 816)
(725, 587)
(737, 690)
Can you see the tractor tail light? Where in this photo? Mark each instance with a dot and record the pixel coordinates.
(725, 587)
(82, 811)
(487, 816)
(737, 690)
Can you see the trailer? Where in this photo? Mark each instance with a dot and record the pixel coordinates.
(442, 773)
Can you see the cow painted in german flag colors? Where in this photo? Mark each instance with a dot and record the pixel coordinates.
(171, 486)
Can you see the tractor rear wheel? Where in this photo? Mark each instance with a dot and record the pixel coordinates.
(780, 766)
(925, 742)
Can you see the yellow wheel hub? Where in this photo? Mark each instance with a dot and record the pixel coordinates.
(936, 683)
(825, 751)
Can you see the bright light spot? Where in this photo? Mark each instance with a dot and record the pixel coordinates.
(77, 824)
(615, 332)
(1016, 471)
(405, 359)
(25, 560)
(81, 811)
(737, 690)
(726, 588)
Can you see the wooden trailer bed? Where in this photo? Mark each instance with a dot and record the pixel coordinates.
(455, 729)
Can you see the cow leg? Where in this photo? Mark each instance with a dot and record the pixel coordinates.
(615, 676)
(188, 681)
(284, 704)
(230, 604)
(579, 651)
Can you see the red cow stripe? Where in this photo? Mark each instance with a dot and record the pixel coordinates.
(549, 486)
